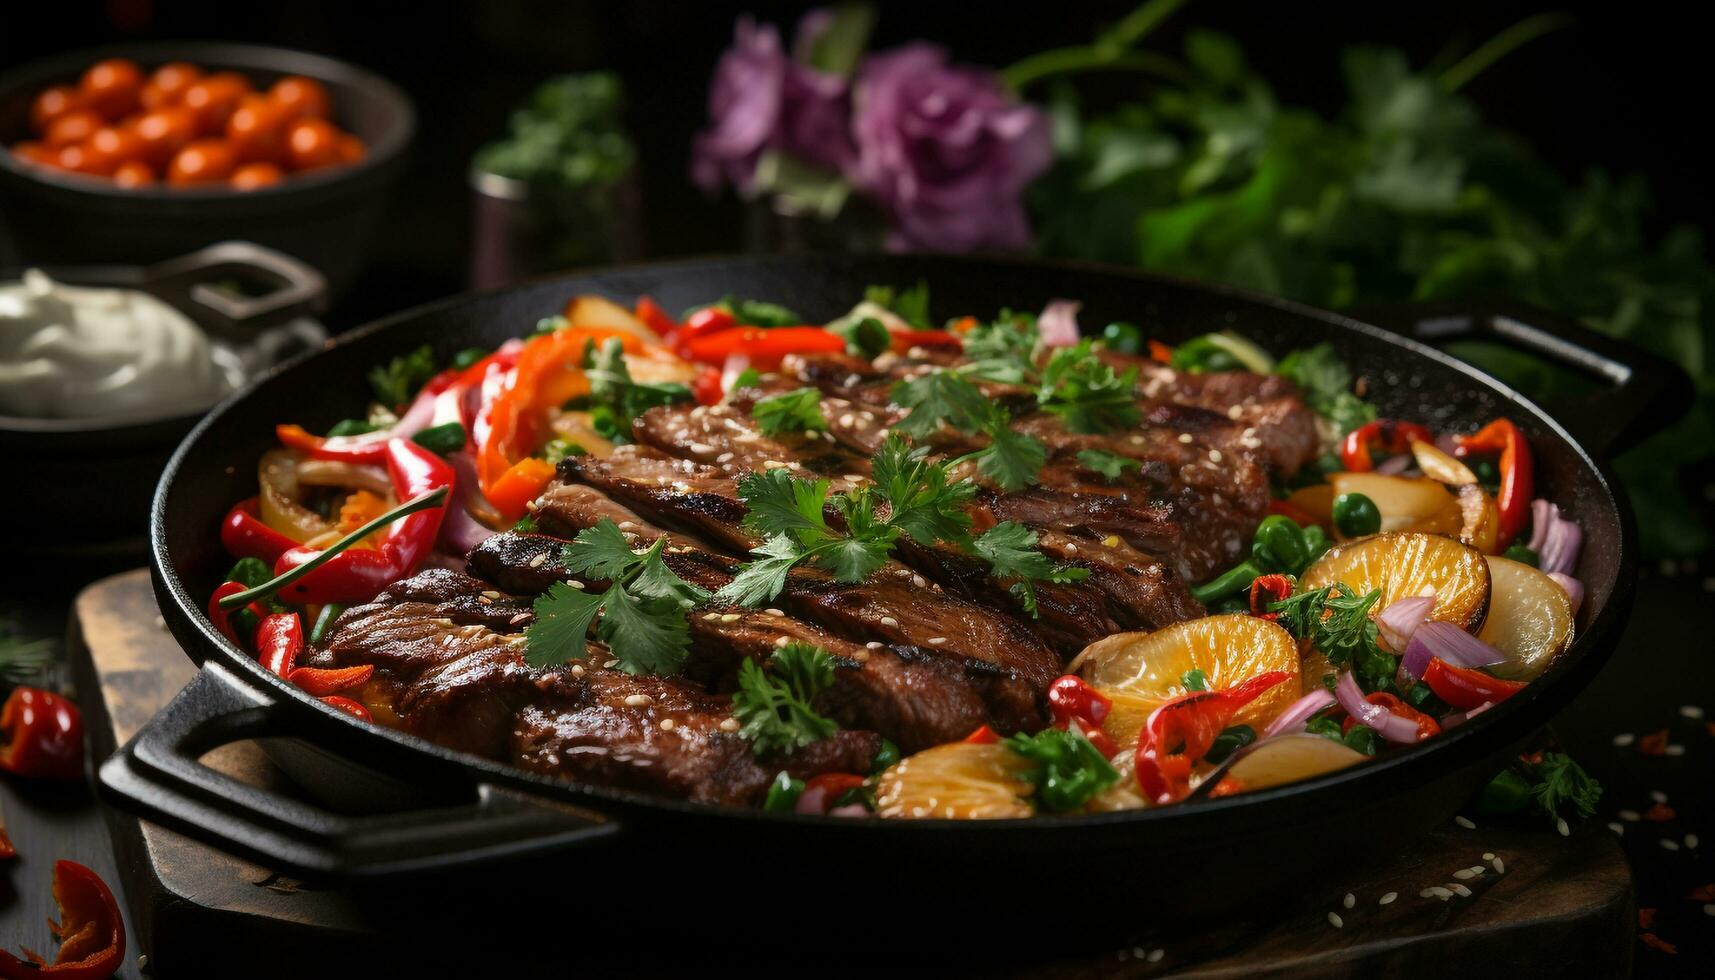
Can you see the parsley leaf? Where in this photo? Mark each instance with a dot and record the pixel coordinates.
(941, 397)
(560, 631)
(791, 411)
(865, 337)
(1004, 350)
(1562, 782)
(1010, 550)
(773, 706)
(1086, 392)
(922, 503)
(1069, 770)
(764, 576)
(615, 398)
(397, 381)
(1327, 386)
(910, 305)
(1336, 621)
(746, 378)
(1112, 466)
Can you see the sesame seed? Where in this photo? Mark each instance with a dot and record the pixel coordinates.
(1387, 899)
(1111, 541)
(536, 562)
(1465, 822)
(1350, 900)
(700, 447)
(628, 525)
(937, 640)
(873, 645)
(1335, 920)
(1466, 874)
(773, 464)
(889, 621)
(711, 617)
(667, 724)
(638, 700)
(729, 724)
(577, 670)
(729, 617)
(1618, 828)
(483, 600)
(1674, 749)
(611, 664)
(724, 458)
(1071, 549)
(861, 656)
(1214, 455)
(1629, 815)
(1155, 955)
(1185, 437)
(846, 420)
(782, 641)
(1561, 825)
(1488, 855)
(1691, 711)
(1441, 893)
(773, 612)
(515, 620)
(1691, 841)
(1624, 739)
(1500, 866)
(490, 594)
(1669, 845)
(1658, 796)
(1460, 890)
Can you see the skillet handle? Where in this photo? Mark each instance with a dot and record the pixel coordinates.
(1645, 392)
(158, 775)
(279, 288)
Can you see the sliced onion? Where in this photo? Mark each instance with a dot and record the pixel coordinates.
(338, 473)
(1560, 546)
(735, 365)
(1460, 717)
(1393, 465)
(1450, 644)
(1401, 619)
(460, 532)
(1294, 717)
(1574, 588)
(1542, 514)
(1058, 324)
(1386, 724)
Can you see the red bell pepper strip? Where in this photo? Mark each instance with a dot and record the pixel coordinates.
(1160, 353)
(765, 346)
(822, 793)
(1299, 515)
(1070, 696)
(1181, 732)
(345, 449)
(904, 340)
(1518, 473)
(41, 735)
(279, 640)
(244, 535)
(707, 389)
(706, 321)
(1267, 589)
(347, 705)
(221, 618)
(984, 735)
(357, 574)
(655, 318)
(1390, 435)
(1427, 727)
(1465, 688)
(90, 929)
(7, 848)
(323, 681)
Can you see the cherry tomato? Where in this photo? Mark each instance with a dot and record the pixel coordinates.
(112, 87)
(258, 130)
(51, 104)
(259, 174)
(164, 132)
(214, 99)
(82, 158)
(351, 149)
(300, 97)
(134, 173)
(31, 151)
(206, 161)
(168, 83)
(311, 143)
(119, 142)
(73, 127)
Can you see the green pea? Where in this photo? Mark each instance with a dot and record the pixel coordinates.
(1123, 337)
(1355, 515)
(1519, 552)
(441, 439)
(783, 793)
(1316, 544)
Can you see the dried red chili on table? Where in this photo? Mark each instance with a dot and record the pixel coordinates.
(90, 929)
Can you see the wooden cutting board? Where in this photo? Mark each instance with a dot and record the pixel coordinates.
(1562, 907)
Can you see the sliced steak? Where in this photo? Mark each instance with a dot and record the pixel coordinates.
(564, 509)
(727, 439)
(677, 494)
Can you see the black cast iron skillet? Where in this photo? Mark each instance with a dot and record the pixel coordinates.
(394, 804)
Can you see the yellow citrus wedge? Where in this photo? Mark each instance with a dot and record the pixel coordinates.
(959, 781)
(1530, 618)
(1289, 758)
(1408, 563)
(1139, 671)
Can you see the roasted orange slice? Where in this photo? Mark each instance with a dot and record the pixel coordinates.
(958, 780)
(1406, 563)
(1139, 671)
(1530, 618)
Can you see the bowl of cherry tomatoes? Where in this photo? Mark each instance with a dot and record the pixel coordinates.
(136, 153)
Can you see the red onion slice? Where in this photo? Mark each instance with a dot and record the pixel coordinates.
(1451, 644)
(1574, 589)
(734, 366)
(1560, 549)
(1386, 724)
(1541, 516)
(1394, 465)
(1294, 718)
(1058, 324)
(460, 532)
(1400, 620)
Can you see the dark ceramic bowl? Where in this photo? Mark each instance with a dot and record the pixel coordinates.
(327, 218)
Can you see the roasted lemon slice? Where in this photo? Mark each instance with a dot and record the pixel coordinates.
(1139, 671)
(1406, 503)
(1405, 564)
(960, 781)
(1289, 758)
(1530, 618)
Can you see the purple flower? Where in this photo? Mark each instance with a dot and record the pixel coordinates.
(762, 100)
(946, 151)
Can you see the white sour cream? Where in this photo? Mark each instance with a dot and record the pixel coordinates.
(75, 352)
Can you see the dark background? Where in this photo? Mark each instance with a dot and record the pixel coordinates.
(1622, 90)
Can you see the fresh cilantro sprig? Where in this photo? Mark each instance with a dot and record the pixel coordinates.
(1069, 771)
(1003, 350)
(397, 381)
(1112, 466)
(1326, 382)
(1336, 620)
(1086, 392)
(1010, 550)
(791, 411)
(642, 610)
(910, 305)
(1011, 459)
(773, 705)
(865, 336)
(1562, 782)
(615, 399)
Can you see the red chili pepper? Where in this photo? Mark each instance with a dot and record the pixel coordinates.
(1299, 515)
(1390, 435)
(43, 735)
(1181, 732)
(357, 574)
(345, 449)
(1093, 733)
(1518, 473)
(1070, 696)
(222, 619)
(1268, 589)
(707, 388)
(322, 681)
(1465, 688)
(705, 321)
(244, 535)
(279, 640)
(821, 793)
(765, 346)
(1160, 353)
(655, 318)
(904, 340)
(350, 707)
(1427, 727)
(984, 735)
(91, 931)
(7, 848)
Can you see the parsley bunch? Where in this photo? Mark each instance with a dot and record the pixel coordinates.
(398, 381)
(773, 705)
(1112, 466)
(1336, 620)
(615, 399)
(642, 610)
(1086, 392)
